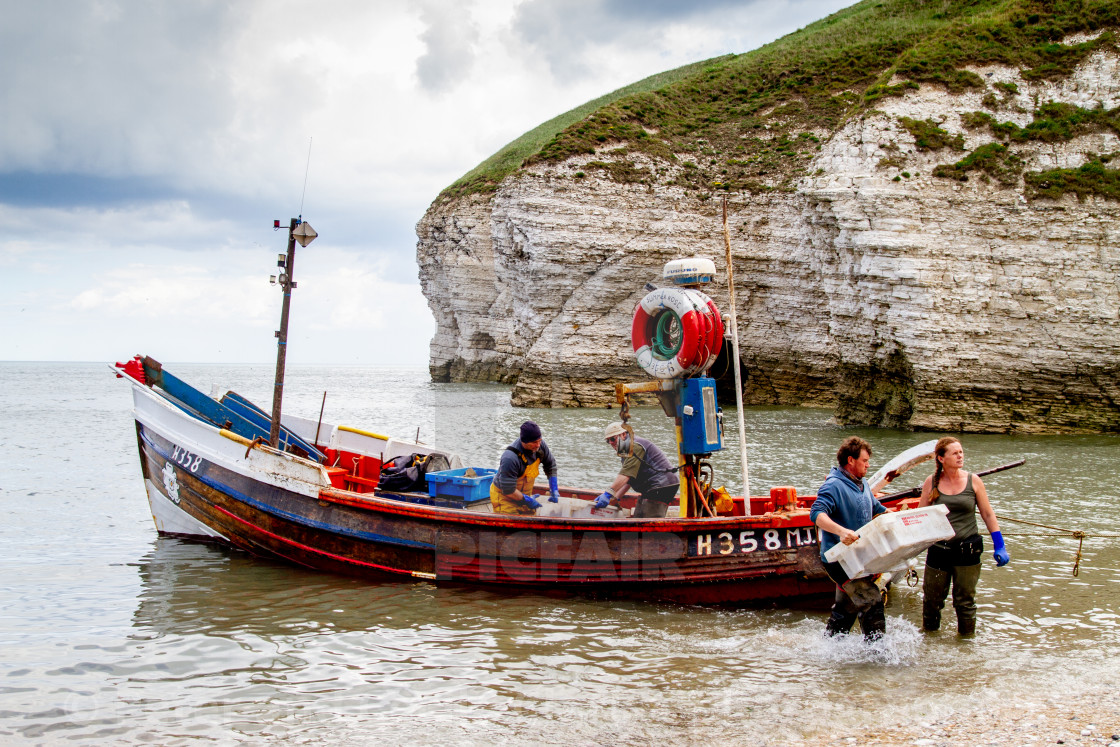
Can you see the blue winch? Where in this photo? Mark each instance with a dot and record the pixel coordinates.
(700, 416)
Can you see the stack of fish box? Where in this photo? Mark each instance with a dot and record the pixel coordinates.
(889, 540)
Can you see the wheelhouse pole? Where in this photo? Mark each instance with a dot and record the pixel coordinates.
(282, 334)
(735, 349)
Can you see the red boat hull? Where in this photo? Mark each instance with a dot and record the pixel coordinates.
(773, 558)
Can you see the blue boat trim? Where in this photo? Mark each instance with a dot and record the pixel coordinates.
(248, 421)
(263, 422)
(272, 511)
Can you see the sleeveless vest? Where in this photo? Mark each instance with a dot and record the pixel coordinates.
(962, 509)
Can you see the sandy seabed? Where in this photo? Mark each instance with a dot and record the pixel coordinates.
(1090, 718)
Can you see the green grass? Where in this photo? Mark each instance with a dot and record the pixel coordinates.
(928, 136)
(1052, 123)
(1094, 178)
(992, 159)
(739, 118)
(622, 171)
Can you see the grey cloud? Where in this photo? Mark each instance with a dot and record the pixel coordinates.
(54, 189)
(654, 11)
(569, 35)
(111, 87)
(450, 40)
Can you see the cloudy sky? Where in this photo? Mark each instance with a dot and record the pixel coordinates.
(146, 148)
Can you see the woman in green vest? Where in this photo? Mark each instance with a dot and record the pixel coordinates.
(956, 562)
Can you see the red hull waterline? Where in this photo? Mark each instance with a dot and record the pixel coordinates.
(207, 483)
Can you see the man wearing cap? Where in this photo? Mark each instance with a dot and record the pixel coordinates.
(645, 468)
(511, 491)
(844, 503)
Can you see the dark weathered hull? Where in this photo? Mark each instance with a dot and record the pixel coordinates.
(715, 561)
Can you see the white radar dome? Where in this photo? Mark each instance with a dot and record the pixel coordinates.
(690, 271)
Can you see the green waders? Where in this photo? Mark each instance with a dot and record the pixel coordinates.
(845, 611)
(935, 587)
(855, 599)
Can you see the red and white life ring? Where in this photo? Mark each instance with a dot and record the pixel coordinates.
(694, 312)
(714, 324)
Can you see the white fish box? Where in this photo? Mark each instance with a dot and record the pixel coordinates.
(588, 511)
(889, 540)
(561, 509)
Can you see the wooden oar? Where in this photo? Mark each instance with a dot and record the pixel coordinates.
(915, 492)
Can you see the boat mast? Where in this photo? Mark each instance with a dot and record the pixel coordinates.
(735, 348)
(304, 234)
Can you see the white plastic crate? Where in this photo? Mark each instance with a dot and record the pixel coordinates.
(888, 541)
(588, 511)
(562, 508)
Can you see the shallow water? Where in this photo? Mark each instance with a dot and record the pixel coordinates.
(112, 634)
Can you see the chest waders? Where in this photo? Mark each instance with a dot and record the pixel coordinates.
(503, 504)
(955, 563)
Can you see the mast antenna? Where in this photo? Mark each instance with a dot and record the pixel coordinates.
(305, 171)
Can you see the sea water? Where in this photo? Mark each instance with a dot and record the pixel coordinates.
(111, 634)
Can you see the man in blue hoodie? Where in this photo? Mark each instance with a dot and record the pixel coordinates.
(844, 503)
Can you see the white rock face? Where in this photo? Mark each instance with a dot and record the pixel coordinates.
(924, 302)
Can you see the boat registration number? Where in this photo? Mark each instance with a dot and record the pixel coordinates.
(751, 540)
(185, 459)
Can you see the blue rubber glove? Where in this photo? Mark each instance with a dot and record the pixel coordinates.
(532, 501)
(603, 500)
(554, 489)
(1001, 555)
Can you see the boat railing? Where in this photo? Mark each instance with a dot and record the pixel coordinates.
(355, 456)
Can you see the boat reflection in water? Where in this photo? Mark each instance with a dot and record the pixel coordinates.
(192, 589)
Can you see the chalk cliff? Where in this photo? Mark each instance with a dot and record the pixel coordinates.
(975, 300)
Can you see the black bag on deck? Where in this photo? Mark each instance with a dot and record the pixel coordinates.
(405, 474)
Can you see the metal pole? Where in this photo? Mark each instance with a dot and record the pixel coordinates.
(685, 499)
(735, 347)
(282, 335)
(320, 425)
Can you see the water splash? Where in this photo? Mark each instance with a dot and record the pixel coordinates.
(900, 646)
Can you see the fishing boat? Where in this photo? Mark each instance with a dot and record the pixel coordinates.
(221, 469)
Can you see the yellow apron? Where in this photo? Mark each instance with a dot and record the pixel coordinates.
(503, 504)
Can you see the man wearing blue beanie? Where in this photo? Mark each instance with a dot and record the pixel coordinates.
(512, 489)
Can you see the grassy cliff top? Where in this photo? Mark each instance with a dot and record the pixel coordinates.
(752, 121)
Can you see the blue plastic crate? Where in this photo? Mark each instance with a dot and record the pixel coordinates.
(454, 483)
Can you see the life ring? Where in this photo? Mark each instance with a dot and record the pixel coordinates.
(714, 324)
(670, 332)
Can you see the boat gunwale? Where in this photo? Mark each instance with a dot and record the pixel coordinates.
(773, 520)
(402, 507)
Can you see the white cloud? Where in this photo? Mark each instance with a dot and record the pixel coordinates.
(587, 38)
(449, 46)
(146, 147)
(64, 301)
(175, 292)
